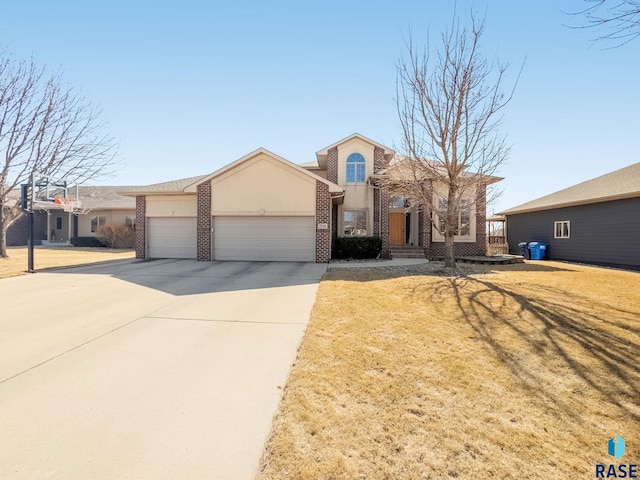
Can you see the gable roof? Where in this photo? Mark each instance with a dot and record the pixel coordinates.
(321, 155)
(333, 188)
(617, 185)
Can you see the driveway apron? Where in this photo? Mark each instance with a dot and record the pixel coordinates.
(169, 369)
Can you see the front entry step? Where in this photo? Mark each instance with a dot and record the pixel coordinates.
(406, 251)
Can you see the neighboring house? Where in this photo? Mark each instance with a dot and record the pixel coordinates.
(99, 205)
(597, 221)
(263, 207)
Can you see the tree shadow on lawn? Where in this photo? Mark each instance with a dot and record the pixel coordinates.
(562, 330)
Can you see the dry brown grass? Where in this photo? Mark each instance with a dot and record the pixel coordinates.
(514, 372)
(49, 257)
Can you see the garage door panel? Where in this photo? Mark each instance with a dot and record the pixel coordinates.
(264, 238)
(171, 237)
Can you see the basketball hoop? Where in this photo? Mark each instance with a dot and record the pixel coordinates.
(71, 205)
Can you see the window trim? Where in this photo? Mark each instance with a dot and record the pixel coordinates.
(562, 224)
(356, 211)
(463, 204)
(99, 222)
(358, 162)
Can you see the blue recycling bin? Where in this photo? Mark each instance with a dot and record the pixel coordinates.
(524, 250)
(538, 250)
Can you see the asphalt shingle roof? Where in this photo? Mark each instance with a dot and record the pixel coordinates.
(172, 186)
(623, 183)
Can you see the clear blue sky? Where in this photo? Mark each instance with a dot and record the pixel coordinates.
(189, 86)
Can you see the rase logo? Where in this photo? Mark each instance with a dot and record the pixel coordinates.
(615, 448)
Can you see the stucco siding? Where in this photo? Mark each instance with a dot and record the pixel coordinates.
(358, 196)
(172, 206)
(605, 233)
(263, 186)
(111, 216)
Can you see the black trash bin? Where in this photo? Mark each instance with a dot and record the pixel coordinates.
(524, 250)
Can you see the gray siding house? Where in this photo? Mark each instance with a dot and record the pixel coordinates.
(597, 221)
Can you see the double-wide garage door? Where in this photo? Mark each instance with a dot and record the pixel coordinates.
(171, 237)
(290, 239)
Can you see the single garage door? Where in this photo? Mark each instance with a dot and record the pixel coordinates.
(288, 239)
(171, 237)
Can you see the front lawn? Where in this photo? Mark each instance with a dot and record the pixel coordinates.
(514, 372)
(48, 257)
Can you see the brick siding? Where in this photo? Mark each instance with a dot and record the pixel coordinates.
(379, 163)
(381, 204)
(204, 223)
(141, 225)
(424, 229)
(332, 165)
(323, 215)
(376, 212)
(384, 221)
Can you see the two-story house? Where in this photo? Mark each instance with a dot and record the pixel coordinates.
(263, 207)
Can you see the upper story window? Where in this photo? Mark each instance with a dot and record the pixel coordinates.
(355, 168)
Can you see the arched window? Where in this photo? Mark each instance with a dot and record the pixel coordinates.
(355, 168)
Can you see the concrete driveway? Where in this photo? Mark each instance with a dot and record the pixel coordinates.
(169, 369)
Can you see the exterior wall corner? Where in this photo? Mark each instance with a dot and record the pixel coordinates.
(141, 227)
(324, 218)
(204, 223)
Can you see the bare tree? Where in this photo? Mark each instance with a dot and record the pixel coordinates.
(47, 128)
(620, 19)
(449, 103)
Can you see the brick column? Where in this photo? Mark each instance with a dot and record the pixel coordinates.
(424, 225)
(204, 222)
(332, 165)
(323, 215)
(141, 227)
(379, 163)
(481, 220)
(332, 176)
(376, 212)
(424, 230)
(381, 203)
(384, 220)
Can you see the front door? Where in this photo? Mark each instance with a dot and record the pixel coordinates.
(397, 225)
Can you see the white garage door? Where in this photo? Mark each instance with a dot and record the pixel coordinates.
(171, 237)
(291, 239)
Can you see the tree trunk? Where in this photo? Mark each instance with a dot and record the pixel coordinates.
(3, 239)
(449, 251)
(450, 228)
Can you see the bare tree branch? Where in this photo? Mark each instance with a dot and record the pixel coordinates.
(449, 104)
(48, 128)
(618, 20)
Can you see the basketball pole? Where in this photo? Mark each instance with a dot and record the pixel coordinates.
(32, 233)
